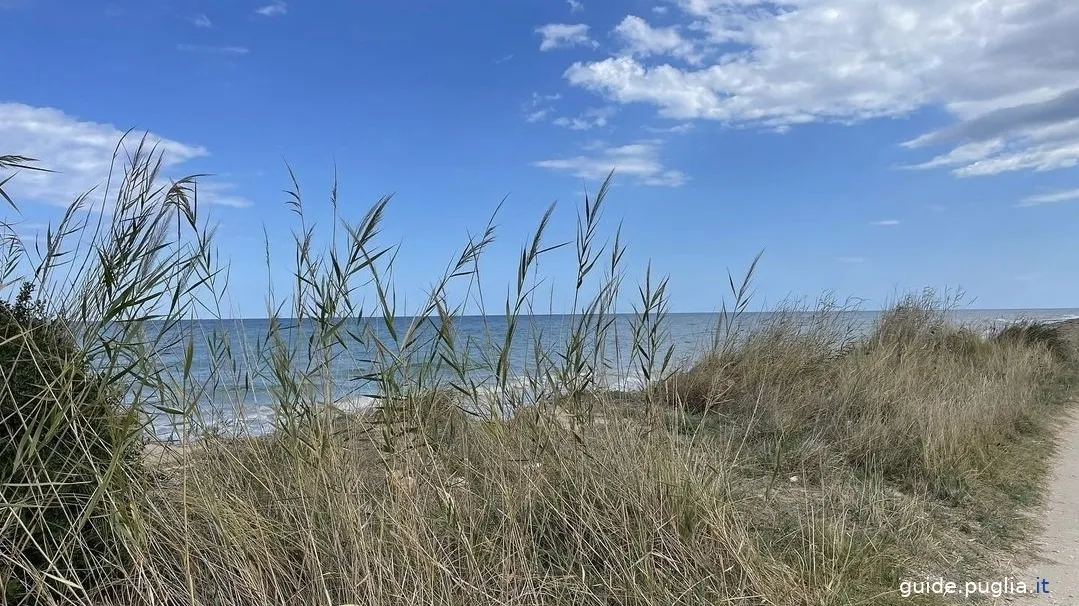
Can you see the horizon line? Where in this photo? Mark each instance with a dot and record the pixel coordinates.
(673, 313)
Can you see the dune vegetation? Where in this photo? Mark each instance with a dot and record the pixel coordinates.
(797, 462)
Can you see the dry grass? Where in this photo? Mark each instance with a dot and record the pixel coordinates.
(800, 463)
(826, 487)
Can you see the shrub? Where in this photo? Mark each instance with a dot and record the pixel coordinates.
(1037, 334)
(910, 323)
(65, 445)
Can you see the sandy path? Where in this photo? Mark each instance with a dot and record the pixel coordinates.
(1057, 547)
(1056, 550)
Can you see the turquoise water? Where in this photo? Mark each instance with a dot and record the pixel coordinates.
(231, 382)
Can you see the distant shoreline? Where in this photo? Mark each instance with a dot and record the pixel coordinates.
(1068, 313)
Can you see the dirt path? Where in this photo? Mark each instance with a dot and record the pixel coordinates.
(1056, 549)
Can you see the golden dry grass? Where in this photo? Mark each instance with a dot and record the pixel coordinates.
(815, 478)
(800, 463)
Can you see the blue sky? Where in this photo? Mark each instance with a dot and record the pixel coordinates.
(869, 148)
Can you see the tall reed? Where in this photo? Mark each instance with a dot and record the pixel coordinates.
(795, 460)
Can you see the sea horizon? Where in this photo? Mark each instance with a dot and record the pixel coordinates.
(242, 393)
(1072, 311)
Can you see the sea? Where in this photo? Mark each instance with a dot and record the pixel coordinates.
(231, 385)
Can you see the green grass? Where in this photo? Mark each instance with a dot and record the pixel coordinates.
(797, 464)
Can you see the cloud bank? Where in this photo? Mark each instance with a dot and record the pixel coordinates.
(81, 154)
(1006, 71)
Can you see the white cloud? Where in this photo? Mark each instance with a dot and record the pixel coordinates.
(504, 59)
(273, 9)
(963, 155)
(885, 222)
(574, 6)
(202, 20)
(538, 108)
(213, 50)
(1060, 154)
(538, 98)
(1052, 198)
(592, 118)
(677, 129)
(81, 152)
(1005, 70)
(639, 161)
(538, 115)
(220, 193)
(643, 40)
(560, 35)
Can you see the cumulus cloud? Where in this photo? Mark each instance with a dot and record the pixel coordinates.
(1005, 70)
(643, 40)
(273, 9)
(81, 152)
(561, 35)
(639, 161)
(574, 6)
(203, 21)
(1052, 198)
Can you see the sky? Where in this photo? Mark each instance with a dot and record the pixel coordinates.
(868, 148)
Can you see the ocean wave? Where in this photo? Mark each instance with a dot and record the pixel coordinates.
(255, 418)
(1064, 318)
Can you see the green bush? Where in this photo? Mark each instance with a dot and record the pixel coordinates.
(65, 449)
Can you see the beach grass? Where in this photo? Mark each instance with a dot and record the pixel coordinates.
(797, 462)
